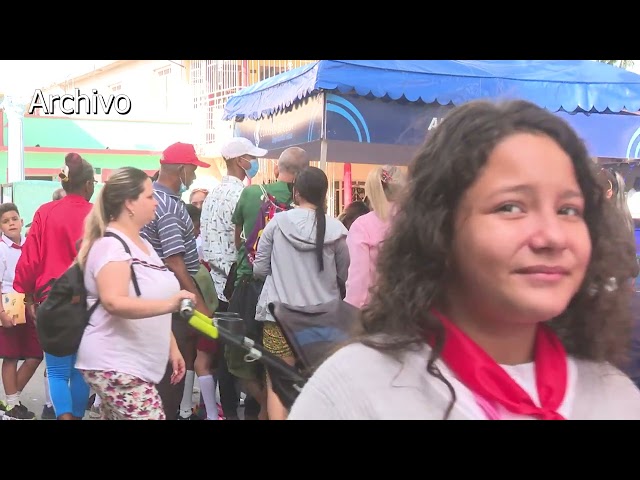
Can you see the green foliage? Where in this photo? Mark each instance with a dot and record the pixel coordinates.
(618, 63)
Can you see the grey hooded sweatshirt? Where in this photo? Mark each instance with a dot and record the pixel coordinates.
(286, 259)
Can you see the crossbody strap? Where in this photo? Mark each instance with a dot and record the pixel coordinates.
(134, 279)
(136, 287)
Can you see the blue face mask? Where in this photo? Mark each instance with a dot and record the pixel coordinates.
(253, 170)
(183, 188)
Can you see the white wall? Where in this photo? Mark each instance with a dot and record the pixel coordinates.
(154, 97)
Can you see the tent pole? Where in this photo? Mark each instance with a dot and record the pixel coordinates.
(323, 155)
(347, 190)
(323, 135)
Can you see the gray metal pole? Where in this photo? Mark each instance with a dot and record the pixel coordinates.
(15, 107)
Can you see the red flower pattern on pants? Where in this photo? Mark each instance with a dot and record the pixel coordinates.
(125, 397)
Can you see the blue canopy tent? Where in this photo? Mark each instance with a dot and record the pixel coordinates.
(380, 111)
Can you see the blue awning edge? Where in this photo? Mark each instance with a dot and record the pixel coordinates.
(272, 94)
(569, 85)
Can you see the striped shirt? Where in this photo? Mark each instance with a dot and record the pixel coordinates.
(171, 231)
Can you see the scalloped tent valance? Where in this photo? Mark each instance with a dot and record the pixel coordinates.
(569, 85)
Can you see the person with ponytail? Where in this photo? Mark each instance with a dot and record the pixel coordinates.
(49, 250)
(367, 232)
(303, 255)
(128, 343)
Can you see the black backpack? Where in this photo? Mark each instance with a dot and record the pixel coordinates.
(62, 318)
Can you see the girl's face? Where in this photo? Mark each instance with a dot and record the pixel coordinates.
(521, 245)
(197, 199)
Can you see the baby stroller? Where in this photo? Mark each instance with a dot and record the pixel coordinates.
(312, 332)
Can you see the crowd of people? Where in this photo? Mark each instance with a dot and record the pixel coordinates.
(493, 280)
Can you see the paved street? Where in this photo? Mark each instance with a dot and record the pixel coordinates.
(33, 395)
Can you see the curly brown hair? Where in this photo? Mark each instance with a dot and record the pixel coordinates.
(413, 260)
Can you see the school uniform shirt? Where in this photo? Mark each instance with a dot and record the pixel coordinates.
(9, 256)
(52, 243)
(360, 383)
(138, 347)
(20, 342)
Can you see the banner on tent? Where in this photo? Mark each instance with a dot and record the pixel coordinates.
(364, 120)
(607, 134)
(298, 124)
(359, 119)
(353, 118)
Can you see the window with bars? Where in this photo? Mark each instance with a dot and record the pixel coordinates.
(357, 194)
(197, 83)
(269, 68)
(164, 71)
(214, 81)
(163, 86)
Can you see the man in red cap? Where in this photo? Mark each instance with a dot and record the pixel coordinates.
(171, 234)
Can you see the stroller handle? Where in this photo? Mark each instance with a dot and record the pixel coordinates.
(204, 324)
(187, 308)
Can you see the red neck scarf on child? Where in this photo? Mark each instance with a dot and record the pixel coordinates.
(484, 377)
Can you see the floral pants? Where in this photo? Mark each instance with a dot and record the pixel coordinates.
(125, 397)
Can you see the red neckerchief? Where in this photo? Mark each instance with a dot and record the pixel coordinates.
(484, 377)
(11, 243)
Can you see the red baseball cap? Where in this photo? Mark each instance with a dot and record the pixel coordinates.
(181, 154)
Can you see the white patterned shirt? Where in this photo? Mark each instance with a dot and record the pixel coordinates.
(8, 260)
(218, 232)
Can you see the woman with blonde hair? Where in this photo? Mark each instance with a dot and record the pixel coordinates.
(197, 197)
(128, 341)
(382, 188)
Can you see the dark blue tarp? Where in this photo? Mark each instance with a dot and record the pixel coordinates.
(364, 120)
(569, 85)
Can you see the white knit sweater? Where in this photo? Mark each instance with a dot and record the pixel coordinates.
(360, 383)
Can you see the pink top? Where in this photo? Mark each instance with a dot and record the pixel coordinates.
(365, 236)
(137, 347)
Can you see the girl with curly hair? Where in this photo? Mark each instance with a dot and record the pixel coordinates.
(491, 300)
